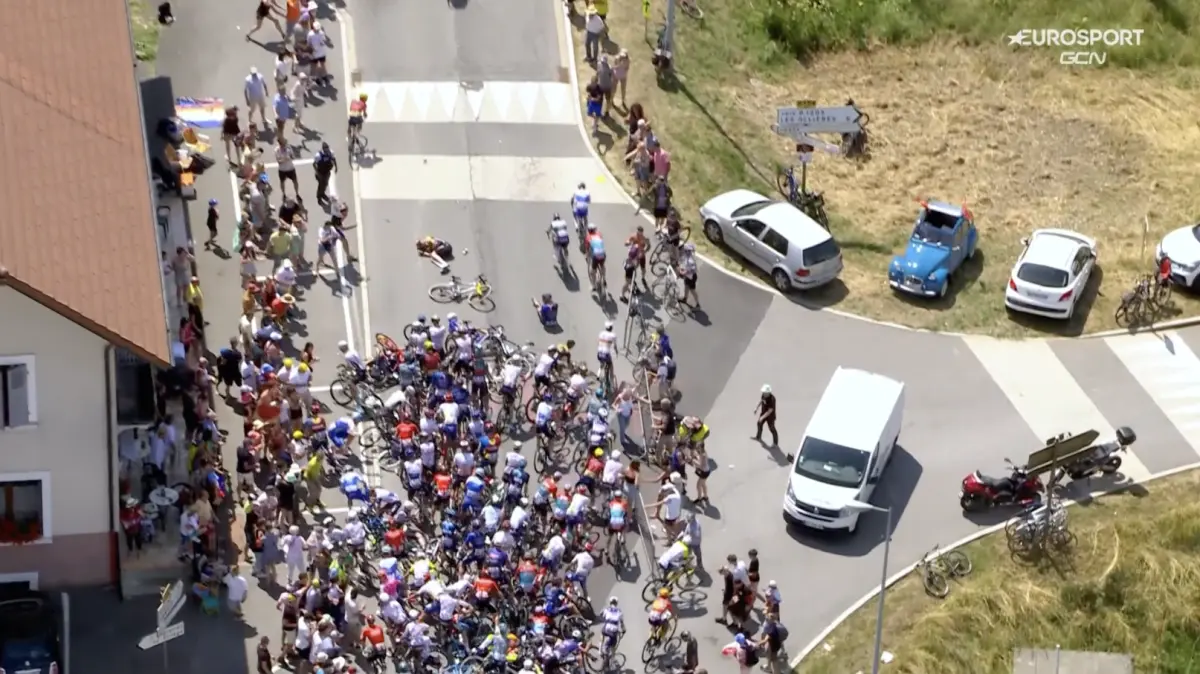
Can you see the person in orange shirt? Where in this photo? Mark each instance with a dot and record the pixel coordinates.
(292, 15)
(373, 637)
(441, 488)
(486, 590)
(394, 538)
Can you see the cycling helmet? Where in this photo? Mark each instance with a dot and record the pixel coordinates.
(516, 446)
(212, 202)
(685, 635)
(451, 316)
(352, 515)
(598, 453)
(476, 414)
(528, 664)
(421, 318)
(384, 598)
(547, 398)
(435, 319)
(298, 435)
(689, 247)
(524, 502)
(556, 217)
(362, 97)
(408, 505)
(591, 226)
(589, 547)
(450, 512)
(582, 186)
(497, 498)
(412, 614)
(608, 325)
(740, 639)
(603, 412)
(577, 635)
(686, 540)
(546, 298)
(612, 601)
(475, 524)
(370, 619)
(664, 592)
(343, 345)
(480, 472)
(552, 349)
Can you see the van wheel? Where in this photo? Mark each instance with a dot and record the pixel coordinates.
(781, 281)
(713, 231)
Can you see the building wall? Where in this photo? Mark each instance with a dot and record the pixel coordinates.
(69, 441)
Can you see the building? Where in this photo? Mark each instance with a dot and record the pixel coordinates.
(81, 285)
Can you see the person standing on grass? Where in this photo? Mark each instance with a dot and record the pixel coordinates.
(765, 409)
(595, 104)
(607, 81)
(594, 29)
(620, 69)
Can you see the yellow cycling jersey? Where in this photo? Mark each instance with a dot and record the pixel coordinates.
(695, 437)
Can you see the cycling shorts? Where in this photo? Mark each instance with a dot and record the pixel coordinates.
(604, 356)
(545, 429)
(356, 121)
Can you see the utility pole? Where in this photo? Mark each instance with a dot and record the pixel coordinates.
(669, 32)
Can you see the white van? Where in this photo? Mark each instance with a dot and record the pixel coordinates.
(845, 449)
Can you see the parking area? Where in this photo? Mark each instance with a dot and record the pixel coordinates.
(104, 632)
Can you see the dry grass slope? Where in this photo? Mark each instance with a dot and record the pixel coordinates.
(1132, 585)
(955, 115)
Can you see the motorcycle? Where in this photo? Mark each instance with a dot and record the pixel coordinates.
(1103, 458)
(981, 492)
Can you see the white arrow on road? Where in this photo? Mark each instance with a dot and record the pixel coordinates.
(161, 637)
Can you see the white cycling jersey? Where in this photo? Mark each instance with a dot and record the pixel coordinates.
(612, 619)
(580, 201)
(545, 411)
(545, 362)
(511, 375)
(354, 360)
(607, 344)
(562, 235)
(578, 386)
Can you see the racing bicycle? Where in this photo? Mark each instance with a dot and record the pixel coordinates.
(666, 253)
(684, 576)
(812, 203)
(477, 294)
(560, 252)
(666, 289)
(661, 641)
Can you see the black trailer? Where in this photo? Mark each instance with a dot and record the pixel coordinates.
(1061, 450)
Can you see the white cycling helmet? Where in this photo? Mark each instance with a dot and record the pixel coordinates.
(343, 345)
(603, 412)
(352, 515)
(451, 316)
(517, 446)
(612, 601)
(384, 598)
(591, 226)
(686, 540)
(608, 325)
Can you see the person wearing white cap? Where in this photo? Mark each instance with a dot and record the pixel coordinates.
(765, 410)
(256, 92)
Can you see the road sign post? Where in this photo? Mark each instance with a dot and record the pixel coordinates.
(170, 602)
(804, 153)
(802, 121)
(160, 638)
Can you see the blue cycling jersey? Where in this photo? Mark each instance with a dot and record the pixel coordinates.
(597, 245)
(580, 202)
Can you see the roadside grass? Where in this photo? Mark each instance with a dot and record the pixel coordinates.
(955, 114)
(146, 29)
(1130, 585)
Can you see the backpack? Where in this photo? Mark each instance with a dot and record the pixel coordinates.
(751, 655)
(781, 632)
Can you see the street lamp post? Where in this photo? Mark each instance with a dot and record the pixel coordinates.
(860, 506)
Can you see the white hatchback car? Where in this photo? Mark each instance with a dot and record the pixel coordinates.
(1182, 247)
(1051, 273)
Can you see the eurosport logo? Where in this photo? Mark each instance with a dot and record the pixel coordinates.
(1074, 38)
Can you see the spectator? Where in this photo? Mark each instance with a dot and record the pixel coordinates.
(765, 409)
(607, 81)
(594, 27)
(771, 641)
(620, 69)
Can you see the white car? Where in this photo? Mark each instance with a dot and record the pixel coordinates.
(1182, 248)
(774, 236)
(1051, 273)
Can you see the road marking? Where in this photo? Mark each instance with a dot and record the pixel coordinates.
(464, 103)
(295, 162)
(448, 178)
(1045, 394)
(319, 389)
(1169, 372)
(350, 62)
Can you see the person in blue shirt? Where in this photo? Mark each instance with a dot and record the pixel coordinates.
(663, 347)
(439, 382)
(475, 542)
(449, 536)
(461, 396)
(556, 599)
(354, 488)
(341, 431)
(496, 564)
(547, 310)
(473, 490)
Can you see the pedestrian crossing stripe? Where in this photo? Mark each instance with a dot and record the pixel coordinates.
(462, 102)
(1169, 371)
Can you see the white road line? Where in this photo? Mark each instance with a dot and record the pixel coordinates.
(1169, 371)
(295, 162)
(459, 178)
(350, 62)
(318, 389)
(489, 102)
(1045, 394)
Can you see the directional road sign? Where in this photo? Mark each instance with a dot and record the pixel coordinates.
(161, 637)
(805, 120)
(173, 599)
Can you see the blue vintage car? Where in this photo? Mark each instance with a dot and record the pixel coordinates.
(943, 238)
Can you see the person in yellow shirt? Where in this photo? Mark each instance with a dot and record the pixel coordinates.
(601, 9)
(281, 243)
(195, 302)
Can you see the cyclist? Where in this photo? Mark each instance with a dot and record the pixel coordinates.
(598, 433)
(497, 645)
(358, 114)
(547, 310)
(676, 556)
(592, 469)
(688, 271)
(613, 622)
(358, 367)
(436, 250)
(618, 511)
(693, 432)
(606, 346)
(510, 377)
(595, 244)
(635, 258)
(544, 417)
(354, 487)
(577, 387)
(372, 640)
(541, 371)
(580, 201)
(584, 563)
(659, 614)
(560, 236)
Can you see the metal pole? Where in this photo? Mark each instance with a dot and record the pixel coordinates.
(669, 32)
(166, 662)
(887, 544)
(804, 185)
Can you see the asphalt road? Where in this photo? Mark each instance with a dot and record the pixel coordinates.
(474, 127)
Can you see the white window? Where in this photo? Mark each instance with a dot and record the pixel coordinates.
(25, 514)
(18, 392)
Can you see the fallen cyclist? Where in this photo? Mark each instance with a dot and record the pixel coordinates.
(438, 252)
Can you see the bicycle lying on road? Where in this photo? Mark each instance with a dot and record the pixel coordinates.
(477, 294)
(812, 203)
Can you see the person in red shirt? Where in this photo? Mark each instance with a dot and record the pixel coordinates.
(406, 430)
(486, 589)
(431, 360)
(1164, 271)
(373, 637)
(131, 523)
(441, 487)
(592, 469)
(394, 538)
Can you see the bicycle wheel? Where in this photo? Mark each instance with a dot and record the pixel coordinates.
(1126, 312)
(389, 463)
(648, 650)
(957, 563)
(935, 583)
(693, 10)
(483, 303)
(443, 293)
(650, 589)
(371, 438)
(785, 183)
(342, 391)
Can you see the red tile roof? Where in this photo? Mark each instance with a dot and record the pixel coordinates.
(78, 229)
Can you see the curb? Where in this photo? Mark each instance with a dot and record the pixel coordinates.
(897, 577)
(573, 68)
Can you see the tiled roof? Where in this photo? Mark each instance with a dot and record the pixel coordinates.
(77, 229)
